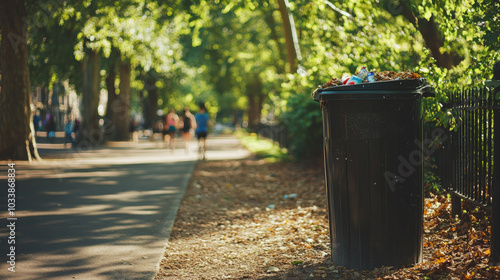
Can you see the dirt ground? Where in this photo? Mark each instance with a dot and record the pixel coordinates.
(251, 219)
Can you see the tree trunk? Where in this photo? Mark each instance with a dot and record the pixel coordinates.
(287, 29)
(144, 96)
(122, 110)
(153, 105)
(150, 105)
(152, 99)
(254, 92)
(90, 134)
(17, 141)
(429, 31)
(109, 121)
(433, 40)
(271, 23)
(153, 108)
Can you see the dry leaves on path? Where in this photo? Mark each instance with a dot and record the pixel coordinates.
(250, 219)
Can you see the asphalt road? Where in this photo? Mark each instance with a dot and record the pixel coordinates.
(100, 214)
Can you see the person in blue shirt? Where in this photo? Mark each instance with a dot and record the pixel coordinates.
(68, 131)
(36, 123)
(203, 122)
(51, 128)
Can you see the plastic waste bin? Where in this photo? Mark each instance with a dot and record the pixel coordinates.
(374, 174)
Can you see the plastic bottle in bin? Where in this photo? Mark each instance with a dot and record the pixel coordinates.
(371, 77)
(363, 73)
(345, 78)
(358, 79)
(354, 80)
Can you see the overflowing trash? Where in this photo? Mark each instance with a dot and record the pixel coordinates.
(365, 76)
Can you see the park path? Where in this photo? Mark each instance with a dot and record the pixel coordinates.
(101, 214)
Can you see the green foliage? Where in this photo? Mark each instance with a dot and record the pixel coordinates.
(263, 148)
(379, 36)
(304, 123)
(136, 32)
(467, 28)
(432, 183)
(486, 14)
(211, 51)
(52, 37)
(231, 44)
(180, 91)
(334, 44)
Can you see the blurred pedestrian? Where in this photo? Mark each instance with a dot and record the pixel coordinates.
(169, 128)
(203, 122)
(46, 121)
(188, 123)
(68, 132)
(133, 130)
(36, 123)
(51, 129)
(76, 126)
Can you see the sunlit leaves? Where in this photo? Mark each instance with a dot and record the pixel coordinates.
(380, 37)
(232, 39)
(138, 33)
(486, 14)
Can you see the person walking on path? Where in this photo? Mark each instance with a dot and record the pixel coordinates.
(133, 130)
(68, 131)
(170, 127)
(51, 128)
(36, 123)
(76, 126)
(203, 122)
(188, 123)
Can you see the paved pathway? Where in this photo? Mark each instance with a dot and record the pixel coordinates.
(102, 214)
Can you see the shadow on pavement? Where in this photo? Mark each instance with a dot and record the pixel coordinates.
(105, 220)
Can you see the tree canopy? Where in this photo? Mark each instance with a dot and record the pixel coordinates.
(248, 59)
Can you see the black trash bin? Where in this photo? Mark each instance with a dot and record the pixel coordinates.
(374, 174)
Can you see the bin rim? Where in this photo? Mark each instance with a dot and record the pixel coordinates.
(401, 88)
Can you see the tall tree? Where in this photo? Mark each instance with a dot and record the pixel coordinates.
(65, 54)
(429, 29)
(256, 97)
(109, 122)
(17, 139)
(236, 48)
(122, 118)
(291, 51)
(151, 106)
(135, 36)
(90, 134)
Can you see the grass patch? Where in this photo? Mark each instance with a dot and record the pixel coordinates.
(263, 148)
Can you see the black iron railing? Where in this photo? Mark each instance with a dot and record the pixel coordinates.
(274, 132)
(468, 152)
(473, 145)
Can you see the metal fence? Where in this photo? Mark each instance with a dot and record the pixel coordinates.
(274, 132)
(466, 157)
(474, 111)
